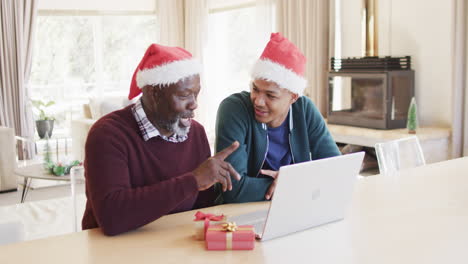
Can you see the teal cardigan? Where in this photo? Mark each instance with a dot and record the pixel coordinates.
(309, 139)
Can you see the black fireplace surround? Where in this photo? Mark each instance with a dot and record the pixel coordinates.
(370, 92)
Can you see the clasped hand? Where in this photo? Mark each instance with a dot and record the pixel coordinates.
(271, 189)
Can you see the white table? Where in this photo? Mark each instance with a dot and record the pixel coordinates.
(419, 216)
(36, 171)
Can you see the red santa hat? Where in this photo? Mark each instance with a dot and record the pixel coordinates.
(162, 65)
(283, 63)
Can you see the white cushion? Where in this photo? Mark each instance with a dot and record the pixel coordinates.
(103, 105)
(79, 133)
(7, 159)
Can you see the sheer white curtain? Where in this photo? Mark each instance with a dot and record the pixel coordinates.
(265, 21)
(460, 92)
(306, 23)
(196, 26)
(170, 15)
(17, 20)
(196, 33)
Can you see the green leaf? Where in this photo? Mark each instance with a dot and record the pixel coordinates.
(36, 103)
(59, 170)
(49, 103)
(41, 107)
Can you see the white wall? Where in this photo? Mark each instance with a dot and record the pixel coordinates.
(102, 5)
(351, 28)
(422, 29)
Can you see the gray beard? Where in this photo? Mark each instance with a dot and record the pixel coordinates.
(174, 127)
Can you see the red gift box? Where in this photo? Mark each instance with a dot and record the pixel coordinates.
(202, 221)
(218, 237)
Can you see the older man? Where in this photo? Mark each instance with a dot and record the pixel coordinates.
(150, 158)
(274, 124)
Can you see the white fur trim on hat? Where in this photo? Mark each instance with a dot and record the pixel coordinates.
(168, 73)
(274, 72)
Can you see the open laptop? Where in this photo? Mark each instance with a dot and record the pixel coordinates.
(307, 194)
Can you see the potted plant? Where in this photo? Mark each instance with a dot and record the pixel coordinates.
(45, 123)
(58, 168)
(412, 122)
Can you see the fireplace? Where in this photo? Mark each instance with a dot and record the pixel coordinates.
(370, 92)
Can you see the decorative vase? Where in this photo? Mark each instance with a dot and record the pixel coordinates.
(44, 127)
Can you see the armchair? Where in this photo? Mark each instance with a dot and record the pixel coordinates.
(8, 181)
(97, 108)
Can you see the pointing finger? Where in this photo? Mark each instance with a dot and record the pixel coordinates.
(223, 154)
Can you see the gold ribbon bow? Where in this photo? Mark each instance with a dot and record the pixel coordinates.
(230, 227)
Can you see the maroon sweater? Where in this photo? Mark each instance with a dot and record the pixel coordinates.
(130, 182)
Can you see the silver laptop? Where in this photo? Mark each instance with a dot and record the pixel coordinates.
(307, 194)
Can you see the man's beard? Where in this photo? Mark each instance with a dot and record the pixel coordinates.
(174, 126)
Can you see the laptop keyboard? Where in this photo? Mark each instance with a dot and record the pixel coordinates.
(256, 219)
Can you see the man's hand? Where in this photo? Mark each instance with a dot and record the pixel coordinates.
(215, 169)
(271, 189)
(272, 174)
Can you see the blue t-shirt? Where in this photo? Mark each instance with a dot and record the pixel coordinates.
(279, 152)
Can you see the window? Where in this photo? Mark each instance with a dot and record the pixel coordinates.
(233, 47)
(76, 57)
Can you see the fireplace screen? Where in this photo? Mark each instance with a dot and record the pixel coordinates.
(358, 96)
(374, 99)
